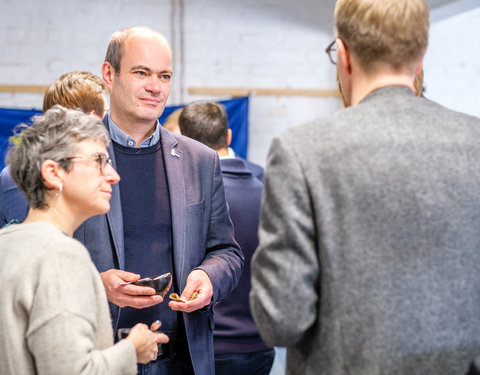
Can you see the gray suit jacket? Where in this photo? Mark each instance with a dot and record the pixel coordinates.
(370, 241)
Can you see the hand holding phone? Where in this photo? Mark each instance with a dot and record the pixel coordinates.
(161, 283)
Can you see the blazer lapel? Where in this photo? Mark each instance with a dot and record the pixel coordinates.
(174, 160)
(114, 215)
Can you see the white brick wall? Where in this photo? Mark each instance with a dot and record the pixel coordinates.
(227, 43)
(264, 44)
(40, 40)
(452, 63)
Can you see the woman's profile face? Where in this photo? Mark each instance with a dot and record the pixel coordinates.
(87, 187)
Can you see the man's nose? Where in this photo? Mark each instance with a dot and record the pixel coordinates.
(154, 84)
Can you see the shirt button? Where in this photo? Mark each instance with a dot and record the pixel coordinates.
(130, 143)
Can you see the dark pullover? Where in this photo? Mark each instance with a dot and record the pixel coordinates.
(147, 225)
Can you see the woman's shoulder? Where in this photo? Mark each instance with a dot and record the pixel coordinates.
(40, 237)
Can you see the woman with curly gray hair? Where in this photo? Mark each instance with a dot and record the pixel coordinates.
(54, 310)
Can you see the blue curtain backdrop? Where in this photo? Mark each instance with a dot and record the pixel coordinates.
(237, 110)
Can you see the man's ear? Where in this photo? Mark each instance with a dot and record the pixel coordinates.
(419, 67)
(108, 74)
(229, 136)
(52, 174)
(343, 56)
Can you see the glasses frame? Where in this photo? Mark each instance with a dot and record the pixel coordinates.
(100, 158)
(332, 48)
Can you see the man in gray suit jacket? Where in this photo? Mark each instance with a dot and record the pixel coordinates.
(369, 233)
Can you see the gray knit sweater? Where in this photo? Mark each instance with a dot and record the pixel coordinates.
(54, 316)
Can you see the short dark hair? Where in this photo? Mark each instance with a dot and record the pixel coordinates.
(206, 122)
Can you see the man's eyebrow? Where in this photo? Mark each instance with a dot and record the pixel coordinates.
(141, 67)
(147, 69)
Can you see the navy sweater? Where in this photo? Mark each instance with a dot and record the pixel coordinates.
(147, 226)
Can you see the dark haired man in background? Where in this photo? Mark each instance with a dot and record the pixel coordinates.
(238, 347)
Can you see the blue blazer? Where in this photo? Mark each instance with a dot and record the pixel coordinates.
(202, 234)
(235, 331)
(13, 203)
(256, 170)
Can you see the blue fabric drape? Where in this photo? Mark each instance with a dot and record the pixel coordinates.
(237, 110)
(9, 118)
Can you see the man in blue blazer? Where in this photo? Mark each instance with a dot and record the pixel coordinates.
(168, 215)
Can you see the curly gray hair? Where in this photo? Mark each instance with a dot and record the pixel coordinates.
(53, 136)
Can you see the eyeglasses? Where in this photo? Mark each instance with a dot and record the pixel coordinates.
(101, 159)
(331, 51)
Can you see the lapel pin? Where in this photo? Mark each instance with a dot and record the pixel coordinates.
(174, 153)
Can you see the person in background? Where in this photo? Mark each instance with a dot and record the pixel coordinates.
(54, 310)
(171, 122)
(238, 347)
(369, 241)
(75, 90)
(418, 83)
(256, 170)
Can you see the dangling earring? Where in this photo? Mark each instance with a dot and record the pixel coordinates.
(60, 190)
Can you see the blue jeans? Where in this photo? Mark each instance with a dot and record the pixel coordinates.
(166, 366)
(254, 363)
(173, 360)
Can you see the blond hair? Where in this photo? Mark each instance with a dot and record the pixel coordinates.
(418, 83)
(394, 32)
(77, 90)
(171, 122)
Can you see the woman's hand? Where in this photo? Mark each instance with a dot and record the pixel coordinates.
(146, 342)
